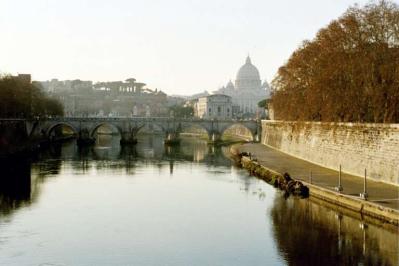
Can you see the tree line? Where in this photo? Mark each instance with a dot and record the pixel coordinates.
(348, 73)
(22, 99)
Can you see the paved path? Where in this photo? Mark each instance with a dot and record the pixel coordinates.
(379, 193)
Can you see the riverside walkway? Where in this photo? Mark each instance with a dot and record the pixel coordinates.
(379, 193)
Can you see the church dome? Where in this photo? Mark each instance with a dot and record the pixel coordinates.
(230, 85)
(248, 71)
(265, 85)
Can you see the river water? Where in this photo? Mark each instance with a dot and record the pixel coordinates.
(151, 205)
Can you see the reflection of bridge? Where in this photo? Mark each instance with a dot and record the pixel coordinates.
(128, 128)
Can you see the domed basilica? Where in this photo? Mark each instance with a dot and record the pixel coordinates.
(247, 91)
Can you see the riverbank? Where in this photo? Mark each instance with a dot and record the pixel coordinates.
(383, 200)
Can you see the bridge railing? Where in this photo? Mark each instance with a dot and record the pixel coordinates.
(145, 119)
(119, 119)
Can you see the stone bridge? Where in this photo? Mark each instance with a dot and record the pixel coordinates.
(128, 128)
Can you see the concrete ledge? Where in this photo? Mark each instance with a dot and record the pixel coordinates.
(353, 203)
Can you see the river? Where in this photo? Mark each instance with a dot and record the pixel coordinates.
(151, 205)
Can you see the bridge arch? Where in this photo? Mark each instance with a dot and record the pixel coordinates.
(94, 129)
(238, 125)
(53, 126)
(129, 127)
(183, 127)
(152, 127)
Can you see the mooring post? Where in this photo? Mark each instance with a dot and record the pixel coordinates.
(339, 188)
(364, 195)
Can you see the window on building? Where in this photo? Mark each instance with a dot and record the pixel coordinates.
(219, 109)
(228, 110)
(210, 110)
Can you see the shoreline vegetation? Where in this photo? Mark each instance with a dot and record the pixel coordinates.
(20, 98)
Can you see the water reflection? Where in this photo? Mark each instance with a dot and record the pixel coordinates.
(15, 185)
(309, 233)
(302, 231)
(20, 180)
(149, 148)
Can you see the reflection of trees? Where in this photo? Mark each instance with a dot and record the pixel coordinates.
(304, 232)
(20, 182)
(20, 179)
(15, 185)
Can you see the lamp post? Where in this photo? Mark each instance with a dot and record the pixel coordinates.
(364, 195)
(339, 188)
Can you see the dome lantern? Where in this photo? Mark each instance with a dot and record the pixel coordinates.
(248, 60)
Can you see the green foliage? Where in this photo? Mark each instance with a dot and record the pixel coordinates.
(263, 103)
(19, 99)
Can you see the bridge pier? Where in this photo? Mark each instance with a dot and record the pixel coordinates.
(128, 138)
(172, 138)
(215, 137)
(84, 138)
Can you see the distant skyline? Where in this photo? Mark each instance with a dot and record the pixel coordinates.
(179, 46)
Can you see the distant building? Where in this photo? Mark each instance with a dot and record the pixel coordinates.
(175, 100)
(247, 91)
(198, 95)
(116, 98)
(26, 78)
(214, 106)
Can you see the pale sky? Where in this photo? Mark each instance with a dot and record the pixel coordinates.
(178, 46)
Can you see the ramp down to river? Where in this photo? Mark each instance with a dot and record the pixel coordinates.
(383, 200)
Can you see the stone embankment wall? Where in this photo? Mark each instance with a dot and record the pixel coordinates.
(355, 147)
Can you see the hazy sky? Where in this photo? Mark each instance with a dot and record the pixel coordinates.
(179, 46)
